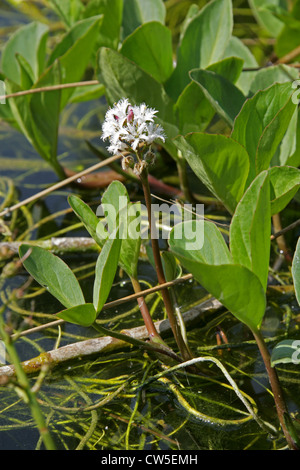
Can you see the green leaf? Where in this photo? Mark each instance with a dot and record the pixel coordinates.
(72, 37)
(287, 148)
(294, 159)
(83, 315)
(262, 123)
(114, 199)
(225, 97)
(287, 41)
(172, 269)
(37, 116)
(286, 352)
(26, 73)
(229, 68)
(250, 229)
(87, 93)
(131, 244)
(87, 217)
(110, 29)
(219, 162)
(123, 78)
(106, 268)
(120, 211)
(75, 51)
(265, 17)
(204, 42)
(68, 10)
(150, 47)
(237, 288)
(53, 274)
(137, 12)
(237, 48)
(201, 241)
(28, 41)
(266, 77)
(193, 109)
(44, 112)
(296, 271)
(284, 183)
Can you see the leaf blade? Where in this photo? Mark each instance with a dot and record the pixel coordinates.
(53, 273)
(250, 229)
(83, 315)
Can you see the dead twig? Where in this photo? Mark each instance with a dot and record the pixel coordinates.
(106, 343)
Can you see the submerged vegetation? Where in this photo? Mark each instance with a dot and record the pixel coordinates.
(149, 299)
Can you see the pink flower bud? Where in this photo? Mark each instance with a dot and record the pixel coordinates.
(130, 115)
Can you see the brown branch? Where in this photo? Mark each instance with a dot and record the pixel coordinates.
(60, 184)
(286, 229)
(49, 88)
(104, 344)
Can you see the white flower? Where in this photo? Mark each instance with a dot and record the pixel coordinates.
(128, 127)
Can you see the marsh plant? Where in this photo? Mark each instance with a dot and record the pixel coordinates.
(236, 275)
(204, 107)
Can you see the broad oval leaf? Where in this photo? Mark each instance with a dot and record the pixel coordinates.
(203, 42)
(52, 273)
(83, 315)
(110, 29)
(75, 51)
(219, 162)
(250, 229)
(193, 109)
(122, 77)
(137, 12)
(29, 41)
(235, 286)
(224, 96)
(150, 47)
(201, 241)
(262, 123)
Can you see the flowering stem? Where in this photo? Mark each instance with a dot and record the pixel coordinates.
(153, 334)
(276, 387)
(159, 269)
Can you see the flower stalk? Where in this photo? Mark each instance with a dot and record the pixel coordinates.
(132, 129)
(160, 272)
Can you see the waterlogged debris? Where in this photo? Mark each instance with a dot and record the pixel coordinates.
(104, 344)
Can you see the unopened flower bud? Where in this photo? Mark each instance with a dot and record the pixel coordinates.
(127, 162)
(130, 115)
(150, 157)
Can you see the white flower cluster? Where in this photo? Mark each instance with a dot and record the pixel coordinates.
(127, 127)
